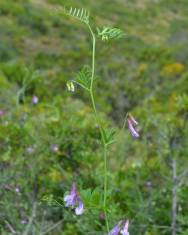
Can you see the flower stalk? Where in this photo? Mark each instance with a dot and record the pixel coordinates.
(98, 121)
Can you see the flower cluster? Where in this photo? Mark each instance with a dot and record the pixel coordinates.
(131, 126)
(73, 199)
(121, 227)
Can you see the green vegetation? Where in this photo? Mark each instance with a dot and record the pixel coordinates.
(48, 145)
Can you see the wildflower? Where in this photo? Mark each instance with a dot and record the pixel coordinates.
(2, 113)
(17, 190)
(131, 123)
(124, 231)
(115, 230)
(35, 99)
(173, 69)
(80, 208)
(72, 199)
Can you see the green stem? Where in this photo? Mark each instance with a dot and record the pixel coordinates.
(105, 187)
(100, 125)
(93, 58)
(105, 157)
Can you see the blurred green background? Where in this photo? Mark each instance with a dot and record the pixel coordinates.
(47, 146)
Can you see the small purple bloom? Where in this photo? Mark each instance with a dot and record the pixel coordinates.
(2, 113)
(72, 199)
(80, 208)
(124, 231)
(17, 190)
(115, 230)
(35, 99)
(131, 123)
(121, 227)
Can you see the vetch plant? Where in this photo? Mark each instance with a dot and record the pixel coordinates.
(85, 79)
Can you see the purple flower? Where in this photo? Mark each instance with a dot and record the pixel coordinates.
(35, 99)
(115, 230)
(124, 231)
(131, 126)
(80, 208)
(73, 199)
(121, 227)
(17, 190)
(70, 199)
(2, 113)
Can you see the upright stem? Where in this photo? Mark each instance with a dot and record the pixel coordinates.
(174, 196)
(105, 187)
(93, 57)
(99, 124)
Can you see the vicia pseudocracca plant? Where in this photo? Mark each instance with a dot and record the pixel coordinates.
(85, 78)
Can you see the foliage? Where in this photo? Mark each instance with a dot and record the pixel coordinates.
(110, 33)
(46, 146)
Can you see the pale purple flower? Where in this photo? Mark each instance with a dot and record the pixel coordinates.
(120, 228)
(124, 231)
(2, 113)
(80, 208)
(70, 199)
(73, 199)
(115, 230)
(131, 126)
(35, 99)
(17, 190)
